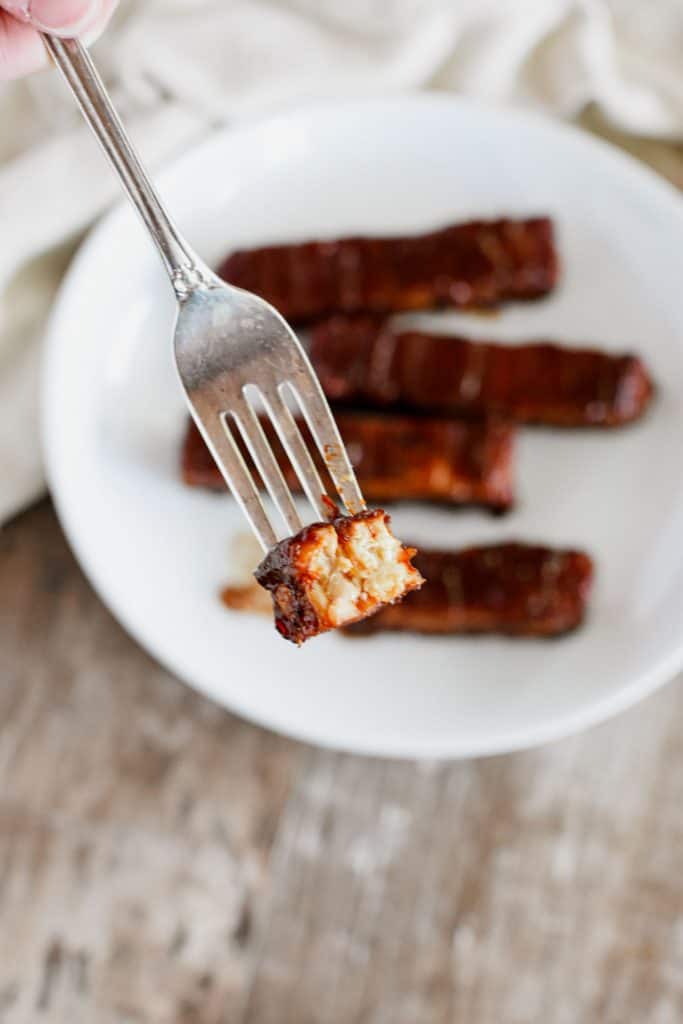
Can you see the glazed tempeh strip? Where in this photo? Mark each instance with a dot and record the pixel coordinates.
(477, 263)
(511, 588)
(364, 363)
(396, 457)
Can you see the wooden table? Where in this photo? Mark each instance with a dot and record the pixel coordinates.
(162, 862)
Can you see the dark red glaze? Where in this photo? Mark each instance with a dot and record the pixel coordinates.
(398, 457)
(365, 363)
(284, 573)
(478, 263)
(516, 589)
(280, 574)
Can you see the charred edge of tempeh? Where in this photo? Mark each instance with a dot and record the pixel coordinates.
(362, 362)
(398, 457)
(476, 263)
(512, 588)
(332, 574)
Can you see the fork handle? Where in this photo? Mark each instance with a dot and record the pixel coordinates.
(183, 266)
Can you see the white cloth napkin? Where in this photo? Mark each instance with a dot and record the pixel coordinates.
(180, 68)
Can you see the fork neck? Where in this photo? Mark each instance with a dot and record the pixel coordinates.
(185, 270)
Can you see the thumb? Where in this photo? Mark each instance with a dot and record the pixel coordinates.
(60, 17)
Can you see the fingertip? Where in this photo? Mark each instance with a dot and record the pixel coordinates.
(21, 49)
(64, 17)
(99, 23)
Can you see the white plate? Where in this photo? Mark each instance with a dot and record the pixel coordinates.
(158, 552)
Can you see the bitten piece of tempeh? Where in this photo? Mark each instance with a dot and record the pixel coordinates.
(477, 263)
(460, 462)
(332, 574)
(511, 588)
(364, 363)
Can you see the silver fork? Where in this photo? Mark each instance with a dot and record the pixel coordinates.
(229, 344)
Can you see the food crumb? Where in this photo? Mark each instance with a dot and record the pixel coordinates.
(247, 597)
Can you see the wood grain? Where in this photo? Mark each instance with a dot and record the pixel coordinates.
(162, 862)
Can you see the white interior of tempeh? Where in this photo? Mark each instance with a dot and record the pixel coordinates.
(349, 578)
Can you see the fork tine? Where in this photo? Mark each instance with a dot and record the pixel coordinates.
(266, 463)
(297, 452)
(322, 426)
(223, 447)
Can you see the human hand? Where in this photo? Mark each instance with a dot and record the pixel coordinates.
(22, 50)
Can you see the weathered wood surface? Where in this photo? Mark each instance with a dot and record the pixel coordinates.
(162, 862)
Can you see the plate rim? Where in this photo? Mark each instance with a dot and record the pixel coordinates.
(592, 713)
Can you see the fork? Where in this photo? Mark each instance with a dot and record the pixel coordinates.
(230, 346)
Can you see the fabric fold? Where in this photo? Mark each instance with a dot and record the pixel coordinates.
(179, 69)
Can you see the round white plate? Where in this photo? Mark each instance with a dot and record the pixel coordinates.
(158, 552)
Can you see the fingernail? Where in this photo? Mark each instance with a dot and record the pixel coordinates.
(63, 16)
(18, 9)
